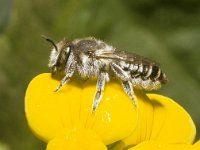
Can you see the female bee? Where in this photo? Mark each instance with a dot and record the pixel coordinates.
(92, 58)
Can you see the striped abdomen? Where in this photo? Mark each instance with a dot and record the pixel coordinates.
(145, 74)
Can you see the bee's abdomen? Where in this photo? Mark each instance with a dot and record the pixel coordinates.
(144, 75)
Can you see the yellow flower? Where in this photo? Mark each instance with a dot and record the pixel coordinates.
(66, 115)
(152, 145)
(64, 119)
(162, 120)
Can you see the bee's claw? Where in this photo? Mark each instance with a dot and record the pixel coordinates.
(57, 89)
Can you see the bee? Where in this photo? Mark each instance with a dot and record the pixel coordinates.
(93, 58)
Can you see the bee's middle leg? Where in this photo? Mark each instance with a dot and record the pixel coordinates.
(63, 81)
(102, 79)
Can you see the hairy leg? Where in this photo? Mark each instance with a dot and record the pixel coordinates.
(102, 79)
(126, 80)
(128, 88)
(69, 71)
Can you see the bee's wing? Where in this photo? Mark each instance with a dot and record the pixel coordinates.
(125, 56)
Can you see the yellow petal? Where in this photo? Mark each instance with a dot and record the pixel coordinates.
(147, 145)
(197, 145)
(160, 119)
(49, 113)
(76, 140)
(152, 145)
(177, 125)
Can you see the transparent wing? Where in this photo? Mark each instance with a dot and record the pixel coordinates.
(125, 56)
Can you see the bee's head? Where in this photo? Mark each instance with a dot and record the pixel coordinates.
(59, 55)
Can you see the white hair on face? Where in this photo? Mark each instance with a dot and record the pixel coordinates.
(53, 57)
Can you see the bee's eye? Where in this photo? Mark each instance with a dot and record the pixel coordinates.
(67, 50)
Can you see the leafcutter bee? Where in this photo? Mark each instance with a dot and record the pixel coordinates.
(93, 58)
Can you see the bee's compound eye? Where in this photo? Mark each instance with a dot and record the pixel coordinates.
(67, 50)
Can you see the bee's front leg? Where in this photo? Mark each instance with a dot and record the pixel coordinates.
(102, 79)
(63, 81)
(69, 71)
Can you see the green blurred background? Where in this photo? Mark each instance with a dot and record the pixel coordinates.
(167, 31)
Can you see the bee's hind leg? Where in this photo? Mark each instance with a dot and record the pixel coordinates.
(126, 81)
(128, 88)
(102, 79)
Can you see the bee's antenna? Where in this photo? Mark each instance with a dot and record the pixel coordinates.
(49, 40)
